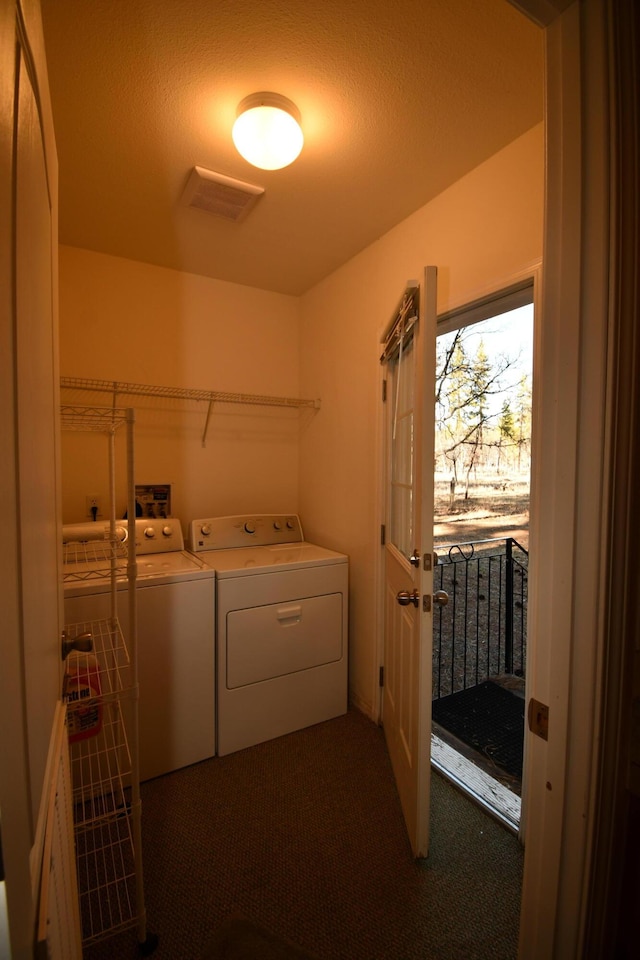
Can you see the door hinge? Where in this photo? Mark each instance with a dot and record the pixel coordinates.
(381, 677)
(384, 391)
(383, 534)
(538, 716)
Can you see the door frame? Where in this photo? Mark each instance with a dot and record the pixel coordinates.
(567, 583)
(20, 24)
(530, 273)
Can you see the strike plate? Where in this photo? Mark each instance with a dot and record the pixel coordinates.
(538, 716)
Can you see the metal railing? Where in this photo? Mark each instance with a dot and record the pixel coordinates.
(481, 633)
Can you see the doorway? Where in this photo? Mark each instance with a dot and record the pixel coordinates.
(484, 367)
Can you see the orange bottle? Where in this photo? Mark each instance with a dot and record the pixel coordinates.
(82, 687)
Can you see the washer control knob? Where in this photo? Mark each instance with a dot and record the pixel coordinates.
(149, 533)
(250, 527)
(277, 525)
(290, 524)
(121, 534)
(167, 532)
(205, 529)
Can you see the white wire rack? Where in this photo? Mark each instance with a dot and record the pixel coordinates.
(104, 730)
(109, 650)
(105, 856)
(92, 559)
(119, 389)
(105, 815)
(92, 419)
(105, 847)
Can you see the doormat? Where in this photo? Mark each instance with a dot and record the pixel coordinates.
(488, 718)
(240, 939)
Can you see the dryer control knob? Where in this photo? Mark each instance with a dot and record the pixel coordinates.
(167, 532)
(277, 525)
(149, 533)
(250, 527)
(205, 529)
(290, 524)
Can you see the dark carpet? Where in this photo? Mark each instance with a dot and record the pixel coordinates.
(488, 718)
(304, 837)
(239, 939)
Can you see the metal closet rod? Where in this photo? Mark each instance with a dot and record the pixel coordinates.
(119, 388)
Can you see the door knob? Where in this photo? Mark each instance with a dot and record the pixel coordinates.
(404, 598)
(415, 557)
(83, 642)
(441, 598)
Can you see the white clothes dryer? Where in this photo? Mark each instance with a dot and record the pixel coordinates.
(175, 624)
(281, 627)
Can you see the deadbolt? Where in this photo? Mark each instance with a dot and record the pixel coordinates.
(441, 598)
(404, 598)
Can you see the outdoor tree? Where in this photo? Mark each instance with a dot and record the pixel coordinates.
(477, 408)
(523, 416)
(480, 406)
(506, 428)
(451, 398)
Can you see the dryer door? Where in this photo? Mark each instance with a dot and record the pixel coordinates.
(283, 638)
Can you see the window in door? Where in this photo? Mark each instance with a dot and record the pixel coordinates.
(401, 384)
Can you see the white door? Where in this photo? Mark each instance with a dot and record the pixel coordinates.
(30, 595)
(406, 702)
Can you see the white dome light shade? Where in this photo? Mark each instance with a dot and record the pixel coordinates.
(267, 131)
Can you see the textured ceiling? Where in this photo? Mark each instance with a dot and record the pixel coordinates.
(399, 98)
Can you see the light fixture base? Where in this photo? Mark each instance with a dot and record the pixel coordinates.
(266, 99)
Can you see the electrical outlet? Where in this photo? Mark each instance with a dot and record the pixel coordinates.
(94, 507)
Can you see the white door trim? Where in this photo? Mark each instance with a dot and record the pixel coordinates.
(21, 31)
(569, 541)
(532, 272)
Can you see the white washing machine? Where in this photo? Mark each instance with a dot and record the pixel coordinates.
(175, 625)
(281, 627)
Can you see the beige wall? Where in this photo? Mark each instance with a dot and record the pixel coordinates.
(479, 233)
(129, 321)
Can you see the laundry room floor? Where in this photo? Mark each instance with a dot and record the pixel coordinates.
(304, 836)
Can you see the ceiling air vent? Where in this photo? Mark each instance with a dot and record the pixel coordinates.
(222, 196)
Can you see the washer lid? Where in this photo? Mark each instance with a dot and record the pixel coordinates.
(251, 561)
(154, 565)
(147, 565)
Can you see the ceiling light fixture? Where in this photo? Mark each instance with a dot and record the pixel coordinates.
(267, 131)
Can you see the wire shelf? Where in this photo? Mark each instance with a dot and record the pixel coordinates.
(110, 650)
(92, 559)
(120, 388)
(101, 774)
(107, 878)
(101, 769)
(92, 418)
